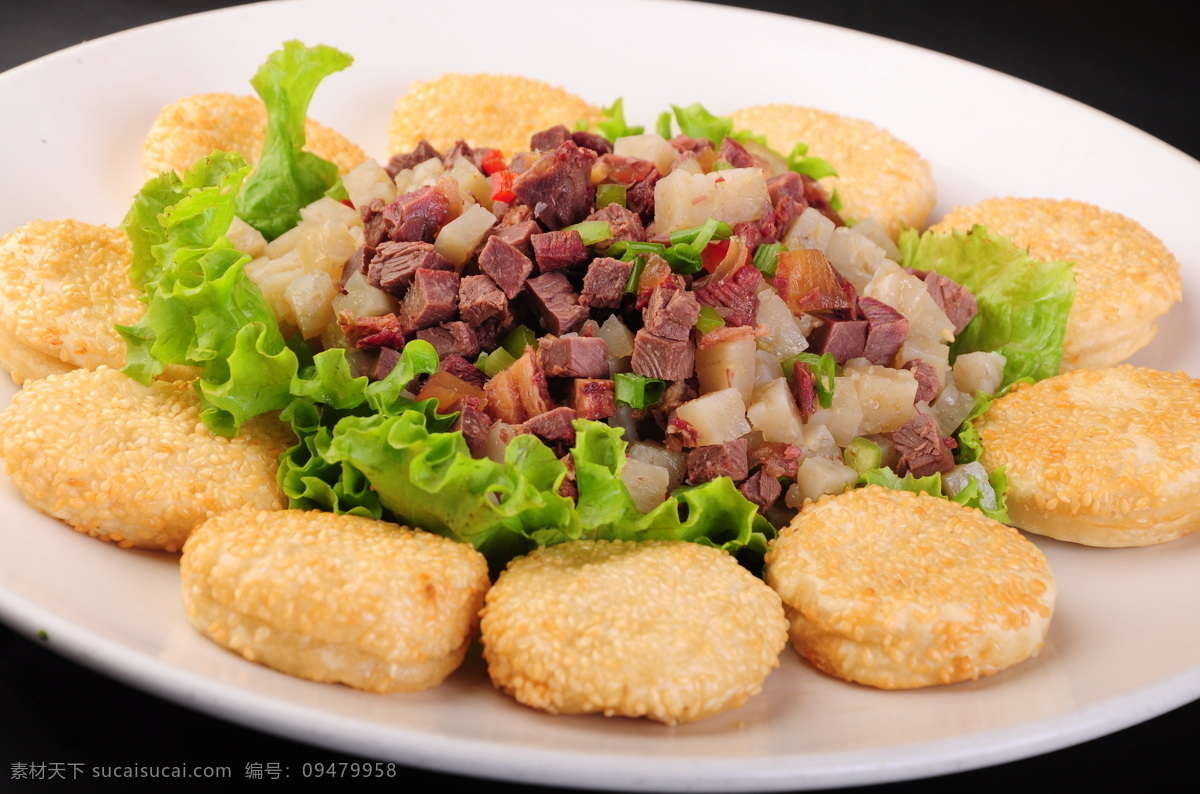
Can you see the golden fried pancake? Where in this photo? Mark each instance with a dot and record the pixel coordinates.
(63, 286)
(669, 630)
(494, 110)
(193, 127)
(1101, 457)
(131, 464)
(325, 597)
(1125, 278)
(900, 590)
(879, 176)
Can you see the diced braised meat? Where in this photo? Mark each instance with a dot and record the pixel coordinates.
(686, 143)
(480, 300)
(657, 357)
(671, 313)
(922, 449)
(474, 425)
(375, 225)
(431, 300)
(718, 460)
(556, 304)
(554, 427)
(461, 368)
(639, 197)
(452, 339)
(460, 149)
(357, 263)
(505, 264)
(735, 297)
(777, 459)
(842, 339)
(886, 331)
(761, 489)
(735, 154)
(394, 265)
(787, 184)
(384, 363)
(548, 140)
(574, 357)
(417, 215)
(803, 385)
(605, 282)
(818, 199)
(590, 140)
(519, 392)
(398, 162)
(927, 379)
(369, 333)
(516, 214)
(559, 186)
(518, 235)
(954, 299)
(623, 225)
(593, 398)
(558, 250)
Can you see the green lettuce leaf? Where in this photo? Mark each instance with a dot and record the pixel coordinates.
(288, 178)
(1023, 302)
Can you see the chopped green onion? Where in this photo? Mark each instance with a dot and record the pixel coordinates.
(822, 366)
(862, 455)
(518, 339)
(609, 194)
(663, 127)
(766, 258)
(637, 391)
(709, 320)
(721, 165)
(495, 362)
(592, 232)
(835, 201)
(635, 275)
(700, 235)
(581, 125)
(683, 258)
(613, 126)
(626, 250)
(814, 167)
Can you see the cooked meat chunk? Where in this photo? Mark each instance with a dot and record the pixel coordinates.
(922, 448)
(718, 460)
(556, 303)
(432, 299)
(558, 250)
(605, 282)
(505, 264)
(574, 357)
(657, 357)
(559, 186)
(394, 265)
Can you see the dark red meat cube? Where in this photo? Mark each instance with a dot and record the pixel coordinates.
(464, 370)
(590, 140)
(558, 250)
(452, 339)
(480, 300)
(507, 266)
(417, 216)
(922, 448)
(398, 162)
(559, 186)
(369, 333)
(843, 339)
(593, 398)
(394, 265)
(657, 357)
(554, 427)
(431, 300)
(375, 225)
(671, 313)
(886, 331)
(605, 282)
(574, 357)
(735, 297)
(548, 140)
(639, 197)
(460, 149)
(803, 385)
(686, 143)
(954, 299)
(787, 184)
(735, 154)
(622, 225)
(777, 459)
(762, 490)
(556, 304)
(927, 379)
(518, 235)
(474, 425)
(384, 363)
(718, 460)
(357, 263)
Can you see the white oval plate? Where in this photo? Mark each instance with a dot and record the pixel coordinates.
(1117, 652)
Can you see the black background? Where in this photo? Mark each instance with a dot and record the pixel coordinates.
(1137, 62)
